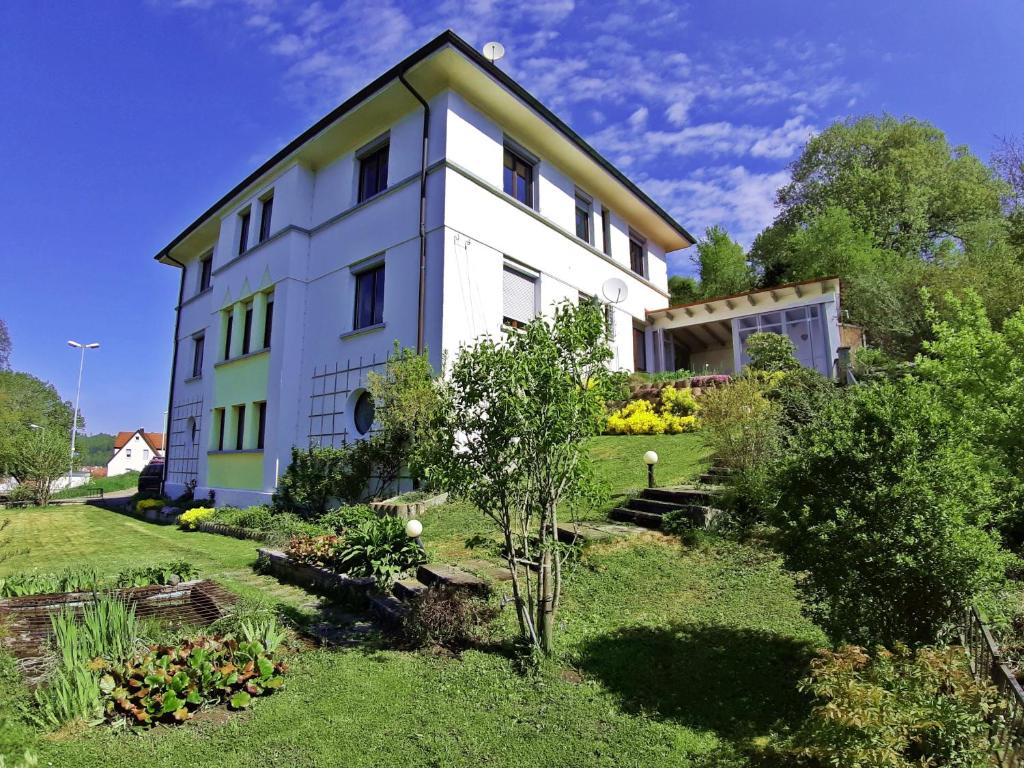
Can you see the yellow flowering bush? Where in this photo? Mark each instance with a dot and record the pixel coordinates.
(147, 504)
(638, 417)
(190, 519)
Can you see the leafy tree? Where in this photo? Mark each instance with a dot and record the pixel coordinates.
(978, 373)
(5, 347)
(682, 290)
(94, 450)
(511, 431)
(26, 404)
(888, 513)
(405, 400)
(1008, 162)
(899, 180)
(38, 457)
(723, 265)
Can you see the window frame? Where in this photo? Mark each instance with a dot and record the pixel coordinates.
(198, 353)
(584, 203)
(228, 330)
(636, 239)
(205, 272)
(370, 271)
(240, 427)
(266, 211)
(244, 220)
(529, 162)
(268, 322)
(639, 350)
(512, 323)
(261, 428)
(220, 414)
(374, 151)
(247, 329)
(606, 231)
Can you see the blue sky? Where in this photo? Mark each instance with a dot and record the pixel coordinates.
(120, 122)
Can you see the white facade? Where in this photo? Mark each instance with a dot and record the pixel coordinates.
(132, 453)
(302, 388)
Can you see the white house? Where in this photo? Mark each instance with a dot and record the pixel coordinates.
(440, 203)
(134, 450)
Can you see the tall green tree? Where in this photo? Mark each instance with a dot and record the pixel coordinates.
(511, 437)
(723, 265)
(28, 404)
(682, 290)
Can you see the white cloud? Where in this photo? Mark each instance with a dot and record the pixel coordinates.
(638, 119)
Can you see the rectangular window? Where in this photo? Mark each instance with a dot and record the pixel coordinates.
(247, 331)
(205, 272)
(369, 298)
(519, 298)
(145, 454)
(227, 335)
(606, 231)
(269, 324)
(266, 210)
(584, 215)
(128, 453)
(373, 172)
(243, 231)
(639, 349)
(262, 427)
(518, 178)
(198, 343)
(219, 417)
(637, 255)
(239, 426)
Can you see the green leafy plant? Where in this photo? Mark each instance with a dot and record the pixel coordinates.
(771, 352)
(314, 550)
(320, 476)
(677, 414)
(894, 708)
(171, 573)
(380, 548)
(169, 683)
(341, 519)
(88, 579)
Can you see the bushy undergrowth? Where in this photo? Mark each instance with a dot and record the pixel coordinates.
(893, 709)
(447, 617)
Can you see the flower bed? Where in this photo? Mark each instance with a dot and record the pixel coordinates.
(349, 588)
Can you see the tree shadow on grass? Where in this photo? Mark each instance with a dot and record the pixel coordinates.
(737, 682)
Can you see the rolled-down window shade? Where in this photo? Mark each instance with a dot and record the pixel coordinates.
(519, 297)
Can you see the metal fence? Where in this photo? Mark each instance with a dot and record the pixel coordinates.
(987, 662)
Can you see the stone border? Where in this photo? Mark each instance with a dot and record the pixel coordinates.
(233, 531)
(408, 511)
(320, 579)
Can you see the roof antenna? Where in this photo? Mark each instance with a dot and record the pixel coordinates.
(493, 51)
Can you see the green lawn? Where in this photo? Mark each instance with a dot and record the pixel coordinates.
(667, 655)
(107, 484)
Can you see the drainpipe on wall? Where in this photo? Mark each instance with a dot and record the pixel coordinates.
(174, 369)
(421, 315)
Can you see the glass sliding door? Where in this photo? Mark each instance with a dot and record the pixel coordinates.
(803, 327)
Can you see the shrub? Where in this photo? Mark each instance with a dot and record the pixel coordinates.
(638, 417)
(873, 364)
(894, 709)
(314, 550)
(317, 476)
(168, 683)
(378, 547)
(341, 519)
(190, 520)
(741, 425)
(771, 352)
(878, 492)
(144, 505)
(172, 573)
(68, 580)
(802, 393)
(447, 617)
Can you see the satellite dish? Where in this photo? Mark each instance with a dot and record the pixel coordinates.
(493, 51)
(614, 290)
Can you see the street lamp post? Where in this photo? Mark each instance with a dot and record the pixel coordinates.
(78, 394)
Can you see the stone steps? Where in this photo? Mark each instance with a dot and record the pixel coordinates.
(697, 504)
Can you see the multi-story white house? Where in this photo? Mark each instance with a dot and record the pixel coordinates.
(134, 450)
(440, 203)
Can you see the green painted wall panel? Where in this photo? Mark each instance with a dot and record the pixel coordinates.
(241, 381)
(235, 470)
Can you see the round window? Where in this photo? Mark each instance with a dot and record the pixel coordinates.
(363, 413)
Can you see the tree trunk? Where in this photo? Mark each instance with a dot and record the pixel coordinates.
(546, 604)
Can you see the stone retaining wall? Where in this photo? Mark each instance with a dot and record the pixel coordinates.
(353, 588)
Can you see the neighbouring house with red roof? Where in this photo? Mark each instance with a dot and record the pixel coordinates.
(134, 450)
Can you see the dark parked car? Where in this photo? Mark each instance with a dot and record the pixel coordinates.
(151, 476)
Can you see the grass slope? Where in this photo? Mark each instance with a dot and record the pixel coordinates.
(129, 480)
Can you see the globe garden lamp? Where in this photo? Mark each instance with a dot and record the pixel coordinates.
(650, 459)
(413, 529)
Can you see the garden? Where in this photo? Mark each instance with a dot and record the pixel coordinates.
(817, 624)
